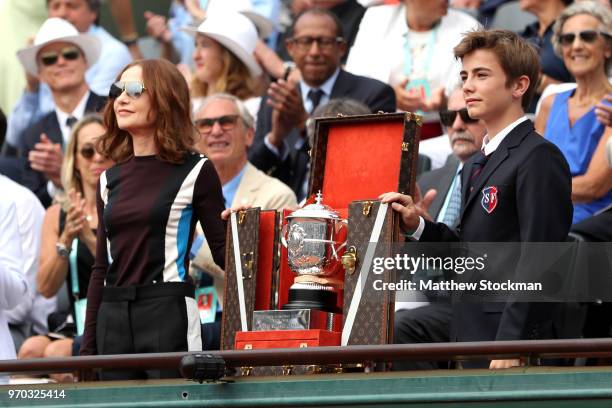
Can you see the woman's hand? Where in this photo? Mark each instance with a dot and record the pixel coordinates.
(73, 224)
(228, 211)
(603, 110)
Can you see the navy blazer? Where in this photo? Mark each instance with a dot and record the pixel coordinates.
(534, 204)
(292, 171)
(35, 180)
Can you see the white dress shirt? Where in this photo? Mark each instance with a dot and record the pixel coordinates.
(30, 216)
(13, 284)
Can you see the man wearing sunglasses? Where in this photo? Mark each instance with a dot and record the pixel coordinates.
(316, 45)
(226, 133)
(59, 57)
(430, 322)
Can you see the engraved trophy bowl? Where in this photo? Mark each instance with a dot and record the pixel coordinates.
(311, 237)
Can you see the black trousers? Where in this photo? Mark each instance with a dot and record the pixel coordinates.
(147, 319)
(425, 324)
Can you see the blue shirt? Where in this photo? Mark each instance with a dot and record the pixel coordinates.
(456, 180)
(230, 188)
(578, 144)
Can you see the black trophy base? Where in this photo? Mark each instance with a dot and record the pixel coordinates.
(325, 300)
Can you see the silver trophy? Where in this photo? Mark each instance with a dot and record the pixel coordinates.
(311, 237)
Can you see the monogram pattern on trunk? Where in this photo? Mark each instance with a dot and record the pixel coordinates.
(374, 321)
(248, 237)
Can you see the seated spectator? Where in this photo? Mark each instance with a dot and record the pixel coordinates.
(226, 133)
(349, 13)
(30, 316)
(224, 59)
(316, 45)
(552, 67)
(568, 119)
(69, 240)
(37, 100)
(412, 46)
(59, 57)
(13, 283)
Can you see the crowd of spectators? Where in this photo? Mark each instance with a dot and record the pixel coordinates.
(241, 82)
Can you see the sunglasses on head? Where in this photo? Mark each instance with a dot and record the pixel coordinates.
(227, 122)
(447, 117)
(133, 88)
(587, 36)
(87, 151)
(50, 57)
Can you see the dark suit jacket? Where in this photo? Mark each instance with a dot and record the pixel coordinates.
(534, 205)
(292, 171)
(35, 180)
(440, 180)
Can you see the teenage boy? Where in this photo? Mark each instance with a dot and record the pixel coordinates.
(517, 189)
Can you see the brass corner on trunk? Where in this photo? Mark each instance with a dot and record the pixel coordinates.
(414, 117)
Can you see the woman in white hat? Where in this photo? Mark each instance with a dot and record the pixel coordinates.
(224, 61)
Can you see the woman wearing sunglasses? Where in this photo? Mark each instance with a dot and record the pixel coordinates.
(69, 241)
(141, 298)
(568, 119)
(224, 61)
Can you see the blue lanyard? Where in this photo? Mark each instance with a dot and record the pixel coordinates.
(430, 48)
(74, 275)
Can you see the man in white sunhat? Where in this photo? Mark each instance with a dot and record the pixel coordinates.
(36, 100)
(59, 57)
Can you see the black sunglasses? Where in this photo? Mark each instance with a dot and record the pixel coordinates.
(227, 122)
(133, 88)
(87, 151)
(50, 58)
(587, 36)
(447, 117)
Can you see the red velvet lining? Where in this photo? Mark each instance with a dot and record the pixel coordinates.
(265, 260)
(358, 166)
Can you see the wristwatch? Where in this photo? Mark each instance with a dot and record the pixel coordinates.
(62, 250)
(130, 39)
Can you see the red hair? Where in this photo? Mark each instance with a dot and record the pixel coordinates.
(174, 132)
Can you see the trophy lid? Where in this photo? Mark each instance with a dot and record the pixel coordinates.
(315, 210)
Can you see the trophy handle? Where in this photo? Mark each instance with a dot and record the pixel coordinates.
(343, 224)
(283, 236)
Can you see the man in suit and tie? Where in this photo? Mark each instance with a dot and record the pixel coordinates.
(316, 45)
(429, 322)
(517, 189)
(59, 57)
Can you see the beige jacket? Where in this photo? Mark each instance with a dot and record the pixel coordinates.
(257, 190)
